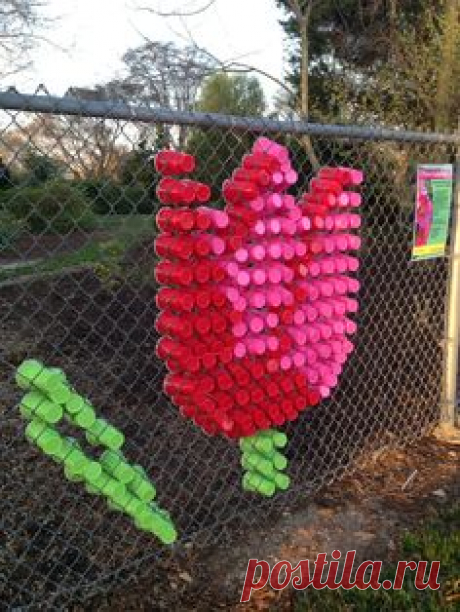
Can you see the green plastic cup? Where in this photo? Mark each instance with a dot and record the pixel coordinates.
(85, 418)
(279, 439)
(133, 505)
(45, 381)
(256, 482)
(96, 481)
(27, 372)
(279, 461)
(72, 474)
(35, 404)
(92, 472)
(50, 442)
(105, 434)
(113, 489)
(156, 523)
(141, 486)
(256, 443)
(74, 457)
(58, 391)
(34, 430)
(60, 373)
(256, 463)
(282, 481)
(115, 464)
(29, 404)
(75, 403)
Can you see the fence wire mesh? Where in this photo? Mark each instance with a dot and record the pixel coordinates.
(77, 290)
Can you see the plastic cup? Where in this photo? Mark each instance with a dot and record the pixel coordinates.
(141, 485)
(50, 442)
(257, 483)
(101, 432)
(85, 418)
(27, 372)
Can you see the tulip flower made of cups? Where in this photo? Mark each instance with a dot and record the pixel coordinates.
(255, 299)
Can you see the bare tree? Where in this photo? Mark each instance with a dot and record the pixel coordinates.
(86, 147)
(20, 24)
(165, 75)
(302, 10)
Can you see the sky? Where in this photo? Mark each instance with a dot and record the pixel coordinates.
(90, 37)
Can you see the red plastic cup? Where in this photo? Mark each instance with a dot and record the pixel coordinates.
(202, 193)
(320, 198)
(173, 191)
(202, 325)
(259, 176)
(168, 273)
(167, 348)
(239, 192)
(240, 374)
(311, 208)
(203, 220)
(346, 176)
(171, 163)
(169, 324)
(175, 384)
(199, 192)
(325, 186)
(260, 419)
(261, 161)
(174, 299)
(179, 247)
(170, 220)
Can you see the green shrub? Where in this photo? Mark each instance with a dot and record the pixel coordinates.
(108, 197)
(10, 229)
(55, 206)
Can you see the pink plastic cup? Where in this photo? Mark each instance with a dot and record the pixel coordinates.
(240, 305)
(323, 350)
(312, 334)
(323, 308)
(219, 218)
(299, 359)
(311, 313)
(272, 320)
(353, 198)
(239, 330)
(298, 335)
(218, 245)
(286, 363)
(273, 248)
(259, 276)
(256, 323)
(257, 204)
(256, 299)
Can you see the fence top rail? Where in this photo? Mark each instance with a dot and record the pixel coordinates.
(122, 111)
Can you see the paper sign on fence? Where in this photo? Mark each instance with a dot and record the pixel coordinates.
(432, 210)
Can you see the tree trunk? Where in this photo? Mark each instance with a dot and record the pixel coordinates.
(304, 85)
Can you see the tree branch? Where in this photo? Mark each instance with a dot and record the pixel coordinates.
(178, 13)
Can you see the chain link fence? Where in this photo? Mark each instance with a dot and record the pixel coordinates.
(77, 290)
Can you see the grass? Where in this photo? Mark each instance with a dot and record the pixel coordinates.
(111, 237)
(437, 541)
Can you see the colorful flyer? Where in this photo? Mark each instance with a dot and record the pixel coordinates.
(432, 210)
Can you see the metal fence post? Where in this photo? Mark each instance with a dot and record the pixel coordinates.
(449, 404)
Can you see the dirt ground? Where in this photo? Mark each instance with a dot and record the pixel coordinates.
(369, 512)
(30, 247)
